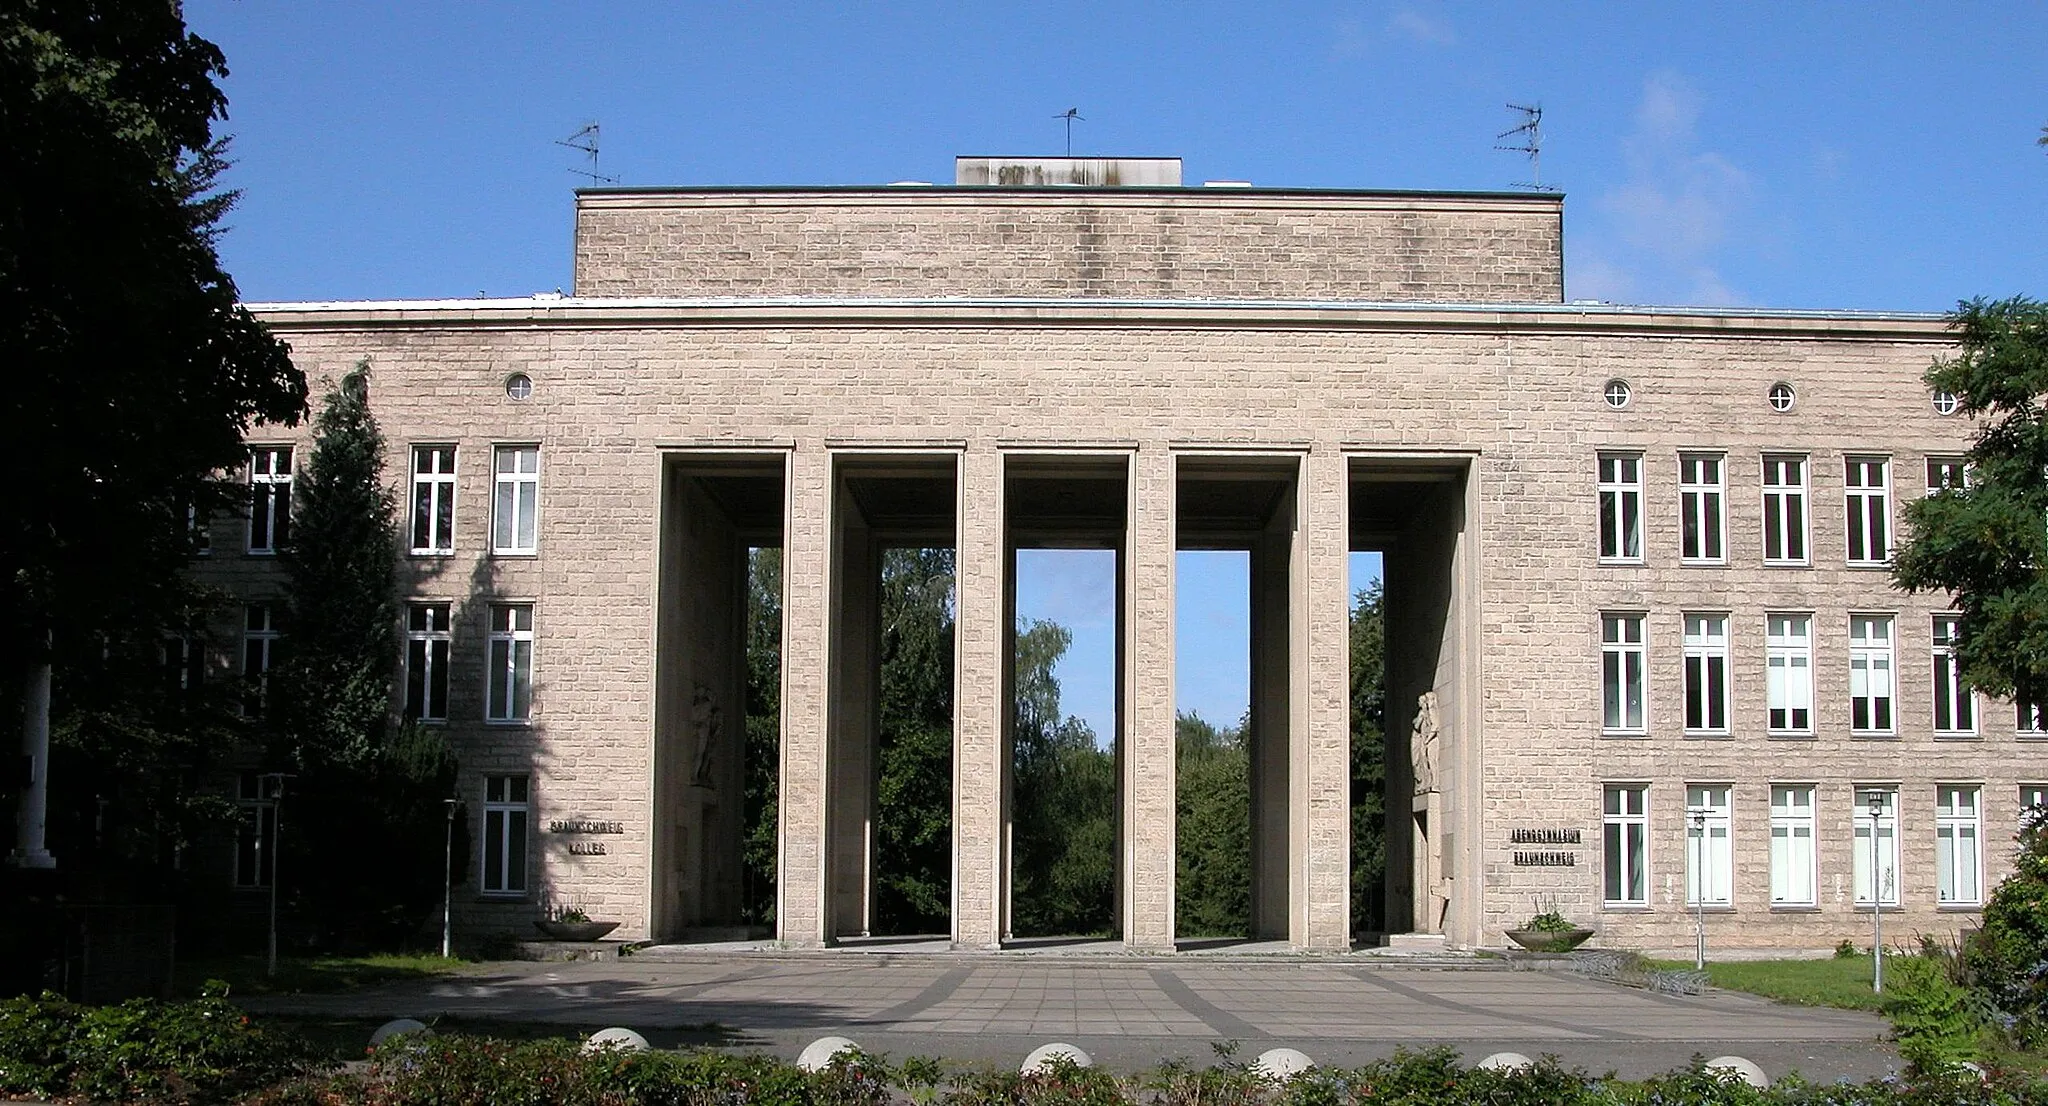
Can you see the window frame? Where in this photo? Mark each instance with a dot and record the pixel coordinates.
(1796, 653)
(1867, 510)
(1951, 828)
(270, 499)
(1859, 837)
(261, 641)
(1703, 509)
(1786, 822)
(1615, 656)
(255, 863)
(1633, 848)
(506, 496)
(435, 489)
(1787, 495)
(1867, 659)
(1941, 466)
(508, 709)
(507, 852)
(1950, 694)
(1705, 682)
(429, 638)
(1708, 857)
(1621, 524)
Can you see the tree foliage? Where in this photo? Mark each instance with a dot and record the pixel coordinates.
(1063, 802)
(1368, 759)
(914, 789)
(1988, 542)
(133, 372)
(364, 813)
(758, 807)
(1212, 829)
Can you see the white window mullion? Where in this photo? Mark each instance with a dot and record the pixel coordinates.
(1621, 507)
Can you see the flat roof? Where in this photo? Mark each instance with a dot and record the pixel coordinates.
(1065, 190)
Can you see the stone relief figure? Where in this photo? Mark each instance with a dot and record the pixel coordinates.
(1422, 739)
(708, 721)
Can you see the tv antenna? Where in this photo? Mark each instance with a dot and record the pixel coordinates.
(1070, 115)
(1531, 131)
(585, 140)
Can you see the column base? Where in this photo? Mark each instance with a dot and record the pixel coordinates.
(32, 858)
(1417, 942)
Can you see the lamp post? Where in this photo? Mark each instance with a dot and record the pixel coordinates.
(1699, 888)
(448, 881)
(273, 785)
(1876, 801)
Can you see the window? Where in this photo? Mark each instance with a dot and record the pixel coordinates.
(1947, 474)
(1865, 486)
(1625, 841)
(199, 531)
(1870, 673)
(1784, 510)
(516, 500)
(1702, 519)
(1617, 394)
(1781, 396)
(433, 499)
(1957, 857)
(255, 830)
(1955, 705)
(1792, 868)
(1706, 673)
(1946, 403)
(1709, 853)
(1887, 826)
(426, 662)
(1621, 673)
(1621, 507)
(1788, 665)
(2033, 717)
(505, 820)
(511, 682)
(270, 497)
(259, 653)
(2033, 802)
(184, 663)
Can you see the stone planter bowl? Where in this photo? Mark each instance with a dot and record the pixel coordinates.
(1549, 940)
(576, 931)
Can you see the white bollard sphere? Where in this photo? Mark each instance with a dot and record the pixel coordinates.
(1282, 1063)
(1743, 1069)
(398, 1028)
(617, 1037)
(1043, 1056)
(1506, 1061)
(817, 1056)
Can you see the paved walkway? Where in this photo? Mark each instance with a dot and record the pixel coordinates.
(1131, 1011)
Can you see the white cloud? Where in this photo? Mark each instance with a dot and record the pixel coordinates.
(1677, 209)
(1421, 28)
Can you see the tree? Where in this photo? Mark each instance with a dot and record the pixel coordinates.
(367, 795)
(758, 807)
(1368, 759)
(1212, 829)
(133, 372)
(914, 789)
(1983, 538)
(1063, 802)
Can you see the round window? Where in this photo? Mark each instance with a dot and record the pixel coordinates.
(1946, 403)
(1617, 394)
(1781, 397)
(518, 386)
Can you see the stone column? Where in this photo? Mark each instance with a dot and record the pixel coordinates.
(853, 696)
(1148, 768)
(801, 916)
(1320, 780)
(980, 704)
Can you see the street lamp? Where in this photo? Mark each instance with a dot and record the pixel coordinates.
(1699, 889)
(448, 881)
(1876, 801)
(273, 786)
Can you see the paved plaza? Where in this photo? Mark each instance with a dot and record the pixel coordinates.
(1131, 1012)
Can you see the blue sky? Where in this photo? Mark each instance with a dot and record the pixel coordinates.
(1816, 154)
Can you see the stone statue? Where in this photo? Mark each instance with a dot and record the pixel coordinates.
(708, 720)
(1422, 738)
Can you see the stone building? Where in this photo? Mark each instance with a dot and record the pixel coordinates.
(1643, 654)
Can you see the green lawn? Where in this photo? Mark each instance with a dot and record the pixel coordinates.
(1841, 982)
(300, 975)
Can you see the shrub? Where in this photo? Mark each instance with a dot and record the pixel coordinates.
(2007, 958)
(141, 1051)
(1933, 1019)
(35, 1045)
